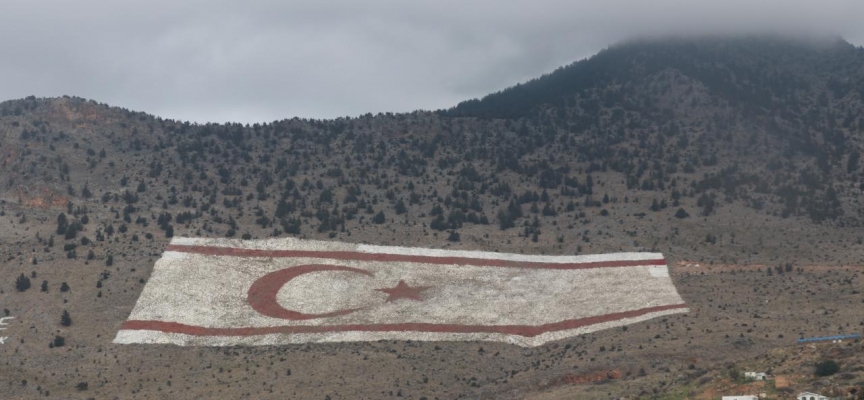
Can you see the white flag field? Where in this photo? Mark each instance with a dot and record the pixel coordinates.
(225, 292)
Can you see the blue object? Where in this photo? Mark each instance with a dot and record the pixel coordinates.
(820, 339)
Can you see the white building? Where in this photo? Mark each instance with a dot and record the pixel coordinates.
(745, 397)
(810, 396)
(756, 376)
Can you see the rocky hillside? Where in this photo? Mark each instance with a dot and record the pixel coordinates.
(713, 150)
(765, 124)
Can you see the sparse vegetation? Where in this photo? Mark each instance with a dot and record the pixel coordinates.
(743, 157)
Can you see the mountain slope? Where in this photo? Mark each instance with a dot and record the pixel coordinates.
(713, 151)
(759, 71)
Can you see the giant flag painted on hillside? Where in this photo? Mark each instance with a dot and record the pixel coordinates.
(224, 292)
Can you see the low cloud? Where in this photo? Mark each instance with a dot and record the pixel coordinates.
(260, 61)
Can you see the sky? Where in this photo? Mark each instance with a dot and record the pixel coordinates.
(259, 61)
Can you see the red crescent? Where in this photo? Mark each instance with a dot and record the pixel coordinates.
(262, 293)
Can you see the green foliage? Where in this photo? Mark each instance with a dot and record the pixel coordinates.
(505, 220)
(826, 368)
(379, 218)
(291, 226)
(439, 224)
(400, 207)
(736, 375)
(62, 224)
(22, 283)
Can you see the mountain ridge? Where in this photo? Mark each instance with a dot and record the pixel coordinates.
(786, 113)
(614, 59)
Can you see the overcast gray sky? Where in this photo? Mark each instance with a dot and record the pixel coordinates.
(259, 61)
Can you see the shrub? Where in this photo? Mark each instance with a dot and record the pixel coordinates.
(400, 207)
(65, 319)
(505, 220)
(826, 368)
(62, 224)
(735, 374)
(22, 283)
(439, 224)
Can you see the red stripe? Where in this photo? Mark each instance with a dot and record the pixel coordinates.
(358, 256)
(520, 330)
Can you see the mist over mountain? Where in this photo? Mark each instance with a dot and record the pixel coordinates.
(763, 72)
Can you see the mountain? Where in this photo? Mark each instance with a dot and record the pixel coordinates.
(765, 73)
(735, 151)
(764, 123)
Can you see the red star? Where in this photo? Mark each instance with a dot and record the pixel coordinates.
(403, 291)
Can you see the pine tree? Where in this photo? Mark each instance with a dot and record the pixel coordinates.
(22, 283)
(62, 224)
(827, 368)
(400, 207)
(65, 319)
